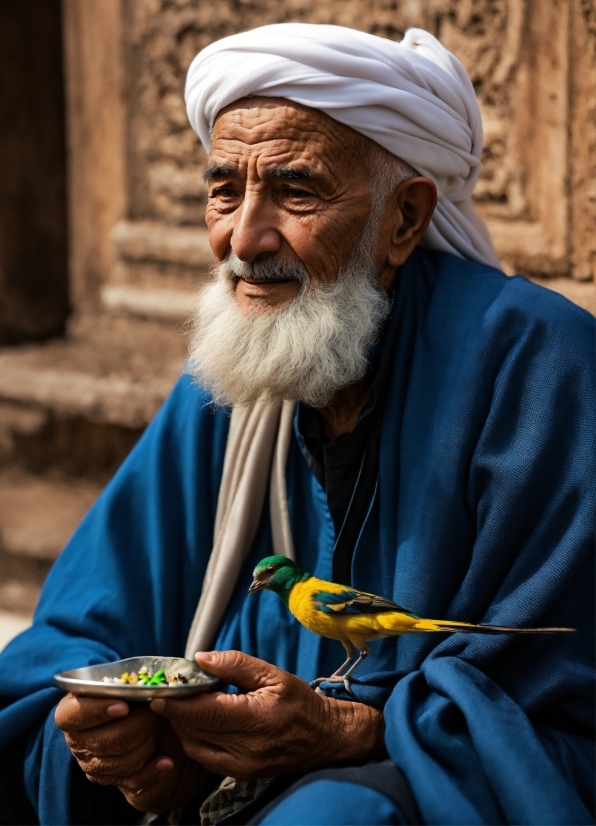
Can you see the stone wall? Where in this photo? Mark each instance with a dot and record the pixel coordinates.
(533, 65)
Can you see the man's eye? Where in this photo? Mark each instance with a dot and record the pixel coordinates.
(223, 192)
(293, 192)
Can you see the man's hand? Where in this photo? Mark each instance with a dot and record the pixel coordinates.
(279, 725)
(134, 750)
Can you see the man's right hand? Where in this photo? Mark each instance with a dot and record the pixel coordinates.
(133, 749)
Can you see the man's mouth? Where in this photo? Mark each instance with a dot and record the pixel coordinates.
(265, 281)
(266, 271)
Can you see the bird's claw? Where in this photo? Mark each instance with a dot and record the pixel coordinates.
(333, 679)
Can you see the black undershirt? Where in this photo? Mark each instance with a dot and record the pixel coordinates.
(347, 467)
(335, 463)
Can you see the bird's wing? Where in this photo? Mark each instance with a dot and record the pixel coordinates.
(348, 601)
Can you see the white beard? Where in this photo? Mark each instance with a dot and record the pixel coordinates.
(312, 346)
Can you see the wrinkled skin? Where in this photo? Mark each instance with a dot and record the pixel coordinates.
(159, 757)
(315, 218)
(277, 725)
(131, 748)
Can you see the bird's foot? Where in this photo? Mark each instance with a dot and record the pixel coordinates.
(335, 678)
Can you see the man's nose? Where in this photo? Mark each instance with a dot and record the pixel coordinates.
(255, 234)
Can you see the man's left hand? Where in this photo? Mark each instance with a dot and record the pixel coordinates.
(278, 725)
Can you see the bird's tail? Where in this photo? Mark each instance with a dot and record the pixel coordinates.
(470, 628)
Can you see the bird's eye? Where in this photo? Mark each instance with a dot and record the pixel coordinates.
(270, 569)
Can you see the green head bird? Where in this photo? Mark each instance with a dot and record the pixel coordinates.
(354, 618)
(277, 573)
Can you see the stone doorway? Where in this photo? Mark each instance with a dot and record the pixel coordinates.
(34, 301)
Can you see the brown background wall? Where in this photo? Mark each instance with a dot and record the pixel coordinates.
(533, 64)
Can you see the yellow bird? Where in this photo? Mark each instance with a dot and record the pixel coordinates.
(353, 617)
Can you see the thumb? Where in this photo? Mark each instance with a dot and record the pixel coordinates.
(236, 668)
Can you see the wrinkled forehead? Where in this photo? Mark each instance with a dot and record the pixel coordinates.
(286, 131)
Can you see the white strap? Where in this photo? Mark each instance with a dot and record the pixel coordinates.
(255, 431)
(278, 492)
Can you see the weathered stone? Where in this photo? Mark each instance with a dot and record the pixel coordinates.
(70, 411)
(151, 241)
(532, 65)
(17, 420)
(146, 302)
(112, 371)
(96, 129)
(159, 269)
(38, 516)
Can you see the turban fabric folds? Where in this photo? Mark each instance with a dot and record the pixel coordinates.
(414, 98)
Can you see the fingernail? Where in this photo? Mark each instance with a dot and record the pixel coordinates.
(117, 710)
(205, 656)
(158, 705)
(164, 765)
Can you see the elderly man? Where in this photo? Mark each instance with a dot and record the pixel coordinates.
(405, 418)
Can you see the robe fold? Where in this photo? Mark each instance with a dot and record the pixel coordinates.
(483, 510)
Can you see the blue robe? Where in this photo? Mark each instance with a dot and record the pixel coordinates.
(483, 510)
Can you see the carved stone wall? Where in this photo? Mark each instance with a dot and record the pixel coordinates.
(532, 62)
(164, 36)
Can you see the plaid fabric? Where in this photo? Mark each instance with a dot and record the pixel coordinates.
(228, 797)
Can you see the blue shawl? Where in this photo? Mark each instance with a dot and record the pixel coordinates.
(483, 510)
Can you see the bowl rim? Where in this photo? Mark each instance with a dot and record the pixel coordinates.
(70, 674)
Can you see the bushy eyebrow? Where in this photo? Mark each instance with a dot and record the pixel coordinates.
(291, 173)
(216, 171)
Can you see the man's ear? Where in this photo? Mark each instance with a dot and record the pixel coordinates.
(412, 206)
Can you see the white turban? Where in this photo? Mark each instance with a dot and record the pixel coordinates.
(414, 98)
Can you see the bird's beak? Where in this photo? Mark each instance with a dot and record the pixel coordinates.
(255, 586)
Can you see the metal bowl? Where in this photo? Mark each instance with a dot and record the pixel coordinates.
(87, 681)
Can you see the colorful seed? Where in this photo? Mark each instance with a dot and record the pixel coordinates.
(158, 678)
(144, 678)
